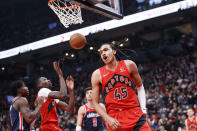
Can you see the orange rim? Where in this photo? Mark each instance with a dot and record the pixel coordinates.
(68, 7)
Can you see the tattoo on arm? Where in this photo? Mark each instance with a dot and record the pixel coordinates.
(28, 115)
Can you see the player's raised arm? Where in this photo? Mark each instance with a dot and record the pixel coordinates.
(138, 81)
(23, 106)
(80, 115)
(63, 90)
(62, 105)
(95, 80)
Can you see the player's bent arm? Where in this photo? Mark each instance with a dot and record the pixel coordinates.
(70, 107)
(103, 106)
(59, 94)
(132, 67)
(187, 129)
(28, 115)
(95, 94)
(80, 115)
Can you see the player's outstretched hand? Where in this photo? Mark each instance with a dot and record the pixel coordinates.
(70, 82)
(40, 100)
(113, 123)
(57, 68)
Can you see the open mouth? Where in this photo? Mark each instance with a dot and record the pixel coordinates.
(105, 57)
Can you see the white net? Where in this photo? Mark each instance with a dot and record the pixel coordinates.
(67, 12)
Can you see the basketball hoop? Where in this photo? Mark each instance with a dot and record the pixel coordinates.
(67, 12)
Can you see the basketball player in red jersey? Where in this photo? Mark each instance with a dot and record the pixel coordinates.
(48, 111)
(191, 121)
(119, 82)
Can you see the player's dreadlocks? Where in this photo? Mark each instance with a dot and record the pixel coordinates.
(119, 51)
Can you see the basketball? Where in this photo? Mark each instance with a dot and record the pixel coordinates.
(77, 41)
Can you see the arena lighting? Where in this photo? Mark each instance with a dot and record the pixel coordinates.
(72, 55)
(127, 39)
(3, 68)
(113, 42)
(134, 18)
(121, 45)
(91, 48)
(66, 54)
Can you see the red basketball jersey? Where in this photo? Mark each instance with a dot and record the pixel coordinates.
(118, 88)
(48, 110)
(192, 124)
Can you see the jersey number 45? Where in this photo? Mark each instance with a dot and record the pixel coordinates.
(122, 94)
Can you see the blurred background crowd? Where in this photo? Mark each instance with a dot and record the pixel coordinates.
(170, 83)
(166, 56)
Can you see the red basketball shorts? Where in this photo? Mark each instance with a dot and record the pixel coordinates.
(50, 127)
(130, 119)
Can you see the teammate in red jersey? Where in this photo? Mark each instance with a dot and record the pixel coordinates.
(48, 111)
(191, 121)
(123, 93)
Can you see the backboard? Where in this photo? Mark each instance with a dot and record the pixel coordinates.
(110, 8)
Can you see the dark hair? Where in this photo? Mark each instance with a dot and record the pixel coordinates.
(113, 46)
(87, 89)
(119, 51)
(15, 85)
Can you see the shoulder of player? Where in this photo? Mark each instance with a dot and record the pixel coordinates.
(102, 105)
(129, 62)
(82, 109)
(43, 90)
(130, 65)
(96, 74)
(21, 101)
